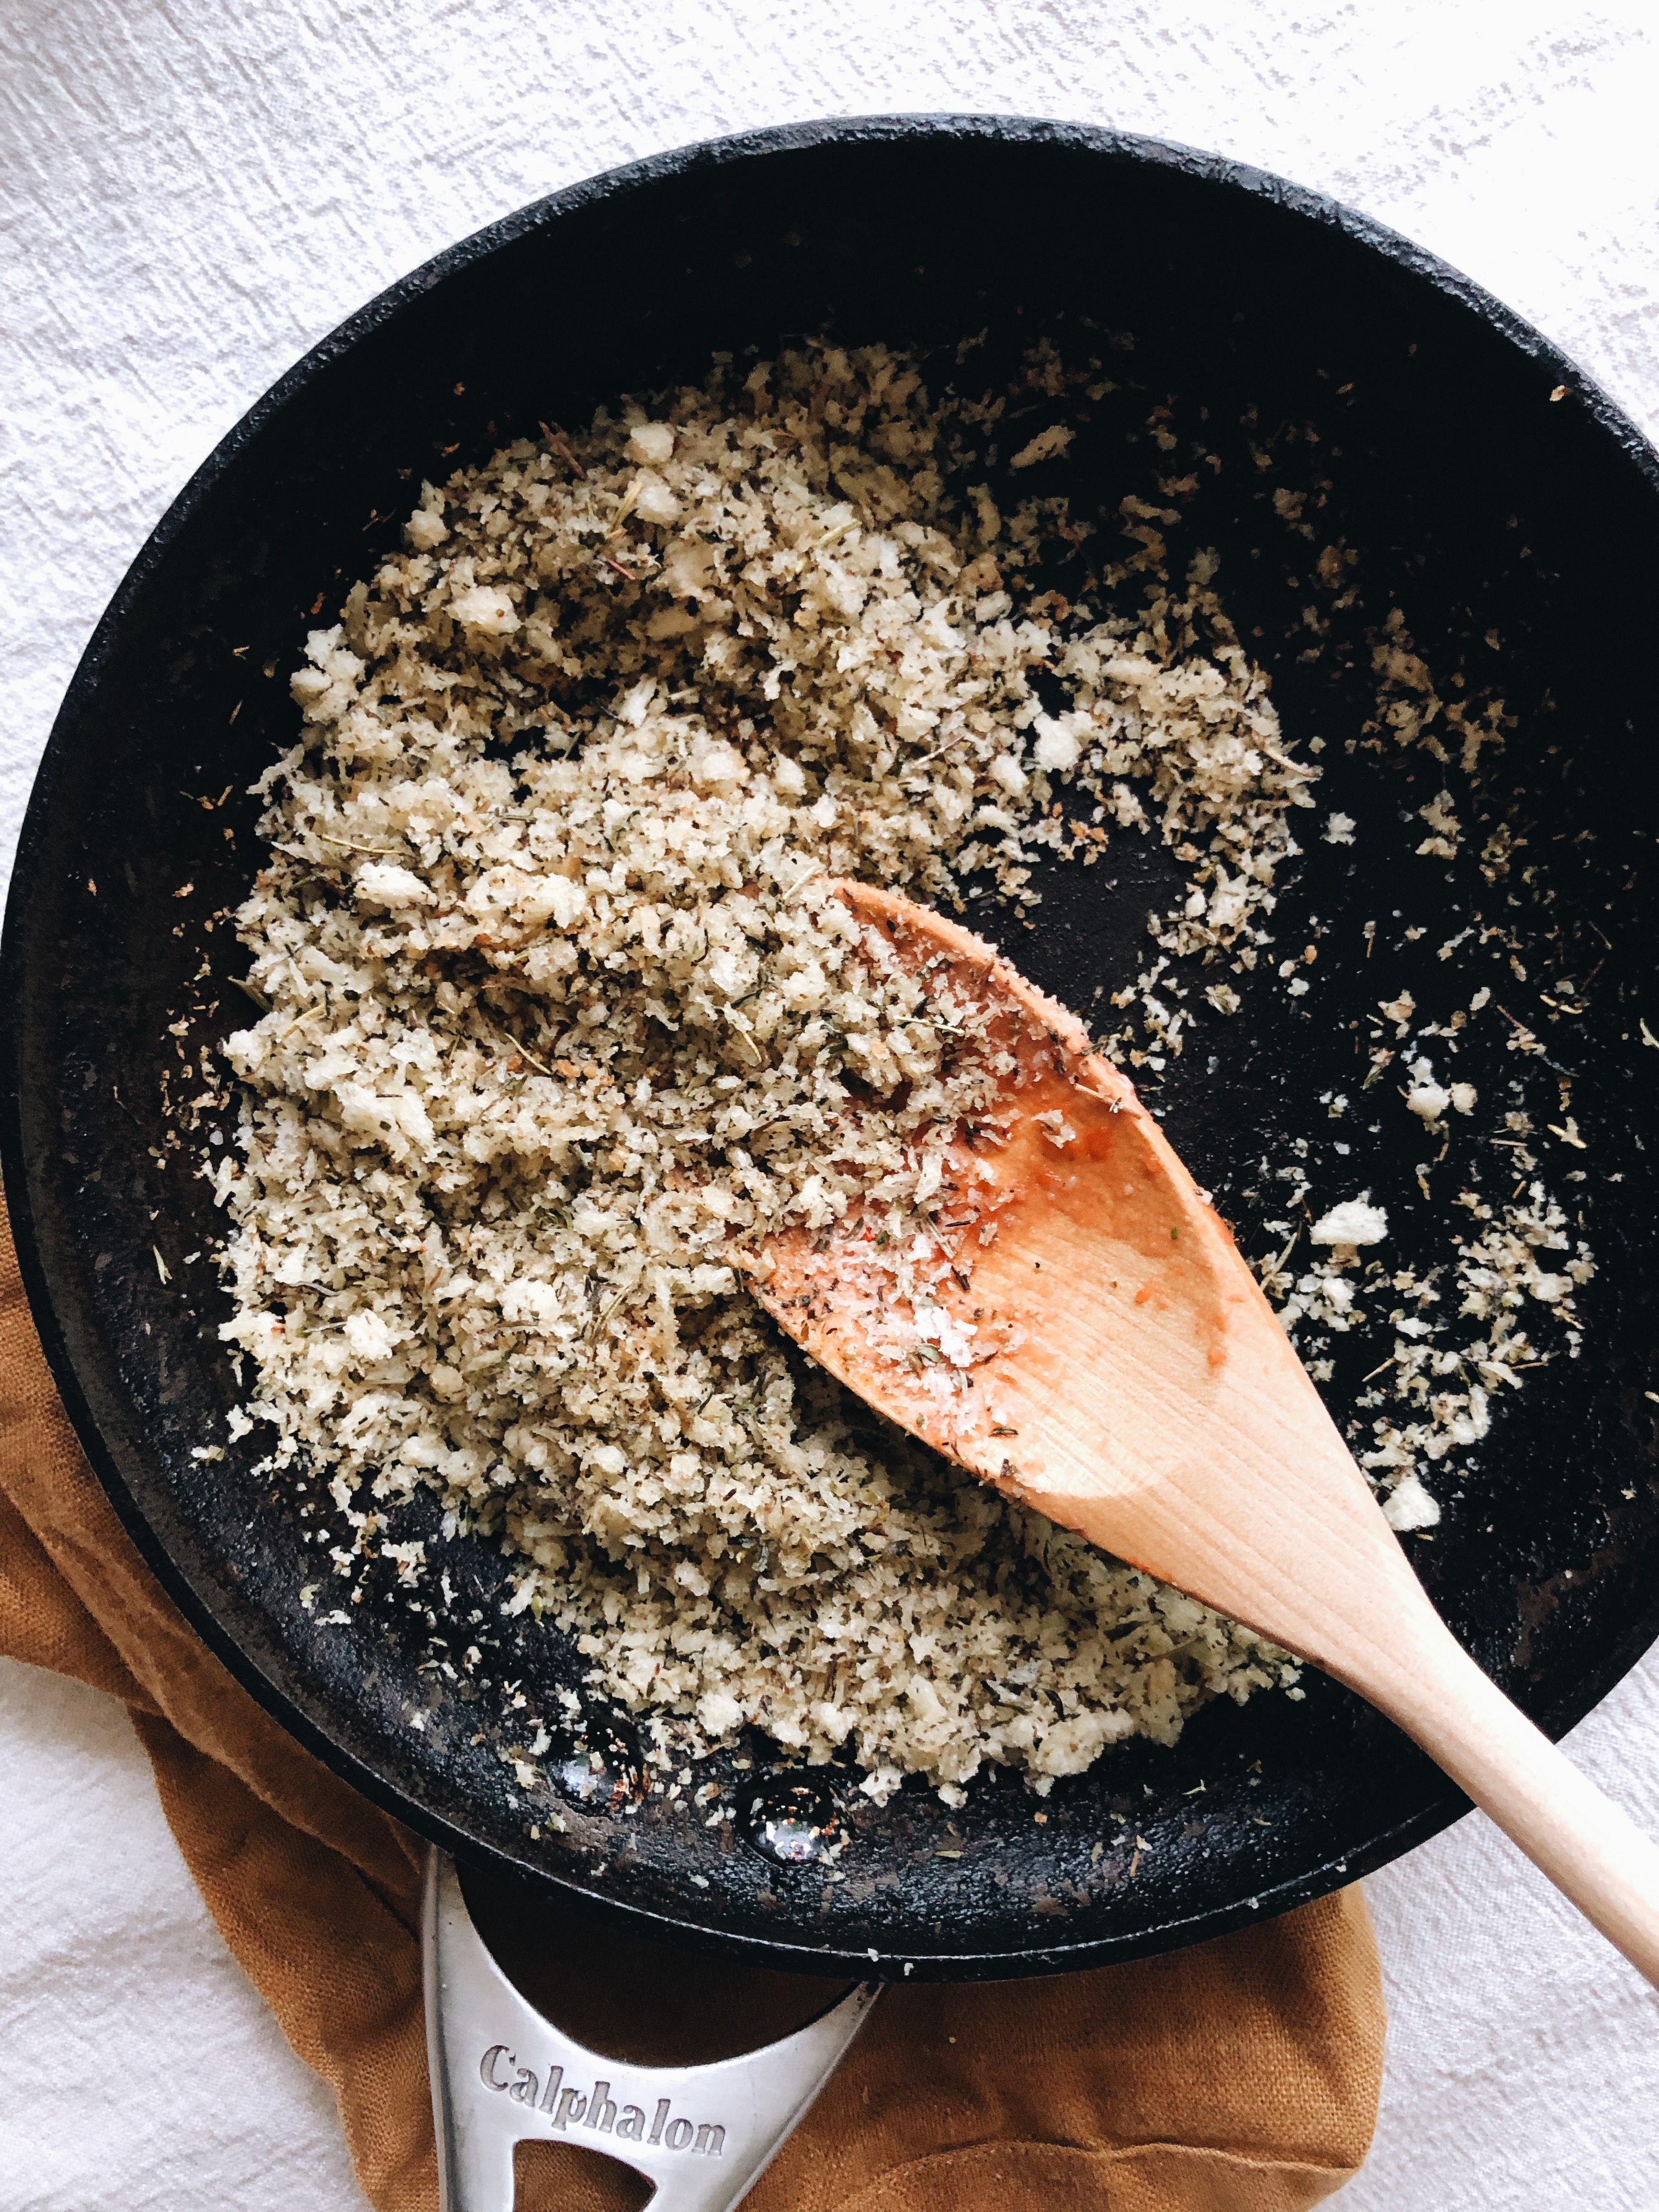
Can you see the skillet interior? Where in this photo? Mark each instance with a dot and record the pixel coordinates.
(1242, 293)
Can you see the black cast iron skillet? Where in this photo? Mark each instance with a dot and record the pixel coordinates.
(1417, 419)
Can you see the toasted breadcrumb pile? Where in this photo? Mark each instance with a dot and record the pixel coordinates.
(563, 1018)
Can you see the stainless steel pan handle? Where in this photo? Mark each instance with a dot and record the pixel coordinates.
(500, 2072)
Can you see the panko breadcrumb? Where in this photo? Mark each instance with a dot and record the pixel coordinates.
(563, 1018)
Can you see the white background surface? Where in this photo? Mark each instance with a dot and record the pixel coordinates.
(191, 193)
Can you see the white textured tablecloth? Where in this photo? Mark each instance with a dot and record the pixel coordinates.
(192, 193)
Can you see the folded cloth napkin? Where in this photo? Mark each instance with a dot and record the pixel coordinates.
(1239, 2075)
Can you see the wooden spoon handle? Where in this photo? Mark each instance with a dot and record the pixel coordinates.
(1589, 1847)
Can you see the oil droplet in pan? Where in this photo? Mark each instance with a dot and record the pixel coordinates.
(792, 1821)
(601, 1769)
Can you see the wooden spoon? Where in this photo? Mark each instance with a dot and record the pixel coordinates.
(1096, 1348)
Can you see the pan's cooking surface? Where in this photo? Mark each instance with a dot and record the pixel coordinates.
(1419, 429)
